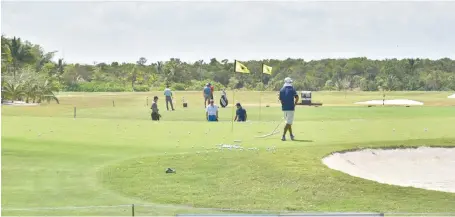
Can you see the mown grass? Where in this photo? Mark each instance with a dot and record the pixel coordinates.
(116, 155)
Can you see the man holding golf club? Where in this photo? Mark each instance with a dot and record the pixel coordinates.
(288, 98)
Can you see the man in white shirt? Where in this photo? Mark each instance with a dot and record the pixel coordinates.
(168, 94)
(211, 112)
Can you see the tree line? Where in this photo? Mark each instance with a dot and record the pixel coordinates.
(29, 73)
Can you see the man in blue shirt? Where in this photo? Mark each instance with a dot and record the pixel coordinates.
(168, 94)
(207, 94)
(288, 98)
(240, 114)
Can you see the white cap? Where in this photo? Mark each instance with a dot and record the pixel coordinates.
(288, 80)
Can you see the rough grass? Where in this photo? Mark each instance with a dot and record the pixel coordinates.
(116, 155)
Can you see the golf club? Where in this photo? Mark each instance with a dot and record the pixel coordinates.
(273, 132)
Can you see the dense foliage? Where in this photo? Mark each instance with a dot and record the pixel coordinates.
(29, 60)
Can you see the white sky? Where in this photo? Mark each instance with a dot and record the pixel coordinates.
(99, 31)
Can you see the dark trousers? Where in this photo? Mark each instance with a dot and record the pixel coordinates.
(169, 100)
(155, 116)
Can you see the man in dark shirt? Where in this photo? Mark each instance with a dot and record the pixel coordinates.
(155, 112)
(288, 98)
(240, 114)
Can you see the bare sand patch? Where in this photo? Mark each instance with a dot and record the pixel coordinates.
(390, 102)
(424, 167)
(451, 96)
(19, 103)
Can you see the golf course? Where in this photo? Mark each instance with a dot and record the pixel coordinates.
(101, 154)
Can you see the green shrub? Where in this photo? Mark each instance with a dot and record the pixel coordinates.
(96, 87)
(178, 86)
(141, 88)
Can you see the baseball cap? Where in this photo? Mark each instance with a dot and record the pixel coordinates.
(237, 104)
(288, 80)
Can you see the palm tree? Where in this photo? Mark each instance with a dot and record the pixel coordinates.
(19, 53)
(29, 86)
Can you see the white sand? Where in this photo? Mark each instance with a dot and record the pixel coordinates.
(19, 103)
(427, 168)
(451, 96)
(390, 102)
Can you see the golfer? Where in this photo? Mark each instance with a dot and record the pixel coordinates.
(168, 94)
(288, 98)
(240, 114)
(155, 114)
(206, 93)
(211, 112)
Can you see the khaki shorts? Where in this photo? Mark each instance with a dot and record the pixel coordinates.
(289, 117)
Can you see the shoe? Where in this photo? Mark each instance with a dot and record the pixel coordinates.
(283, 138)
(292, 137)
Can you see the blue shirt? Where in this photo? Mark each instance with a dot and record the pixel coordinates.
(287, 95)
(207, 91)
(241, 114)
(167, 92)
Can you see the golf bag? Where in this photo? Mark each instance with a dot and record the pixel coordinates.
(223, 100)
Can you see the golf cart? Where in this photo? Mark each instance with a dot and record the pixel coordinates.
(306, 99)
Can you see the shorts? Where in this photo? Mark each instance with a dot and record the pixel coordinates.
(206, 97)
(289, 116)
(212, 118)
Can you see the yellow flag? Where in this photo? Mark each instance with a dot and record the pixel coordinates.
(239, 67)
(266, 69)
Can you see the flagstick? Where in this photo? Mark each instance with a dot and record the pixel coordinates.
(260, 94)
(233, 100)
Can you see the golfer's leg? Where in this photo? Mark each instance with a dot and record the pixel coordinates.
(290, 122)
(167, 103)
(172, 105)
(285, 130)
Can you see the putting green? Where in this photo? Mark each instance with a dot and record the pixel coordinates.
(291, 178)
(116, 155)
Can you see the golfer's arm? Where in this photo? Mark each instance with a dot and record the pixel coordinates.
(296, 99)
(235, 118)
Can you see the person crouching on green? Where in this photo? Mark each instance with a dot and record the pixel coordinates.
(240, 114)
(155, 114)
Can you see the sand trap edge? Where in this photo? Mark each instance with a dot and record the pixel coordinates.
(395, 147)
(439, 181)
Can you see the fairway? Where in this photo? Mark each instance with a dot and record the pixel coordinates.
(112, 155)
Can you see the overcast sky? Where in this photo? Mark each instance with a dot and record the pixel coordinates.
(98, 31)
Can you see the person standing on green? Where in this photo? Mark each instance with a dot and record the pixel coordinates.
(168, 94)
(155, 112)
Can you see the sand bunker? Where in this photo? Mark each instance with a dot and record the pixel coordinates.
(390, 102)
(451, 96)
(427, 168)
(19, 103)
